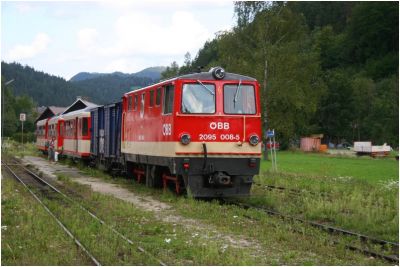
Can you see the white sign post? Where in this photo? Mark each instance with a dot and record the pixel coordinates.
(22, 118)
(272, 147)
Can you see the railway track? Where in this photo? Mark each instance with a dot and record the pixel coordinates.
(335, 230)
(44, 186)
(282, 189)
(297, 192)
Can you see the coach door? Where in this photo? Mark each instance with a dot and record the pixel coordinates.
(60, 134)
(76, 135)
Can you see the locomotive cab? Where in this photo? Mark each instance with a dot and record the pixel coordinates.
(218, 128)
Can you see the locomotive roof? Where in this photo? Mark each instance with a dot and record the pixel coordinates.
(209, 76)
(202, 76)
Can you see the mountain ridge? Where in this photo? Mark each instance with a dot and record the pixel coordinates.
(50, 90)
(153, 73)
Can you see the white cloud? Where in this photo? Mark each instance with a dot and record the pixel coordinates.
(87, 38)
(141, 34)
(23, 7)
(38, 45)
(122, 65)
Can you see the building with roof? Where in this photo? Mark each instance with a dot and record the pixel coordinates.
(48, 112)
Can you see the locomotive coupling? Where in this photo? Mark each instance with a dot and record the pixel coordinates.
(219, 178)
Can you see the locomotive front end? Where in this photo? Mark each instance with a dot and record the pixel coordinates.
(217, 131)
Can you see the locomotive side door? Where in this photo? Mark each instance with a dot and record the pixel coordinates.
(167, 112)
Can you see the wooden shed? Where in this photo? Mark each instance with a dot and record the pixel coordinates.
(309, 144)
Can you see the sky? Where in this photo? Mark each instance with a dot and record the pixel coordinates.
(64, 38)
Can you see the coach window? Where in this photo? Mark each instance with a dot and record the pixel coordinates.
(158, 96)
(130, 102)
(151, 98)
(85, 127)
(135, 102)
(239, 99)
(198, 98)
(168, 99)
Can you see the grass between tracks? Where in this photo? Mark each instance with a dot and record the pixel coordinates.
(28, 234)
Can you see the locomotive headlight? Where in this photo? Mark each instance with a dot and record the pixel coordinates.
(185, 138)
(254, 139)
(218, 73)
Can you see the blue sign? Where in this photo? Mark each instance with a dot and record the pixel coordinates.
(270, 133)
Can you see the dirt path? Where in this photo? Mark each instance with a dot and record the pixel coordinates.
(162, 211)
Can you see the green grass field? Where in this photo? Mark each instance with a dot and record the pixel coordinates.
(359, 194)
(364, 168)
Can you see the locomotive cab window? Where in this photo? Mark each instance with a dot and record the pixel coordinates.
(239, 99)
(130, 102)
(158, 96)
(135, 102)
(168, 99)
(151, 98)
(142, 102)
(198, 98)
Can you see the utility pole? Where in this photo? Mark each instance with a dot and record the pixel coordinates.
(22, 118)
(265, 111)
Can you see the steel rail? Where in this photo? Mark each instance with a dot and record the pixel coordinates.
(290, 190)
(139, 248)
(68, 232)
(331, 229)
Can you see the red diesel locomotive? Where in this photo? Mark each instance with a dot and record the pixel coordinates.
(200, 131)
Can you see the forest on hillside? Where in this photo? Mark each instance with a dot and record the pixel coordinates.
(50, 90)
(24, 89)
(323, 67)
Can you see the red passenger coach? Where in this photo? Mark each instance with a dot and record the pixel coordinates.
(76, 133)
(201, 131)
(56, 130)
(41, 134)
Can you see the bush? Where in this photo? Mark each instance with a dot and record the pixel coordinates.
(28, 137)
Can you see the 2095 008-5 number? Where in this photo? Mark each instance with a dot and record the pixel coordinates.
(204, 137)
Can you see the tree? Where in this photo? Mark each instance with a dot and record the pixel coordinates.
(273, 48)
(13, 106)
(170, 71)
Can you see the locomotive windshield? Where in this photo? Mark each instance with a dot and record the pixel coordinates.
(198, 98)
(239, 99)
